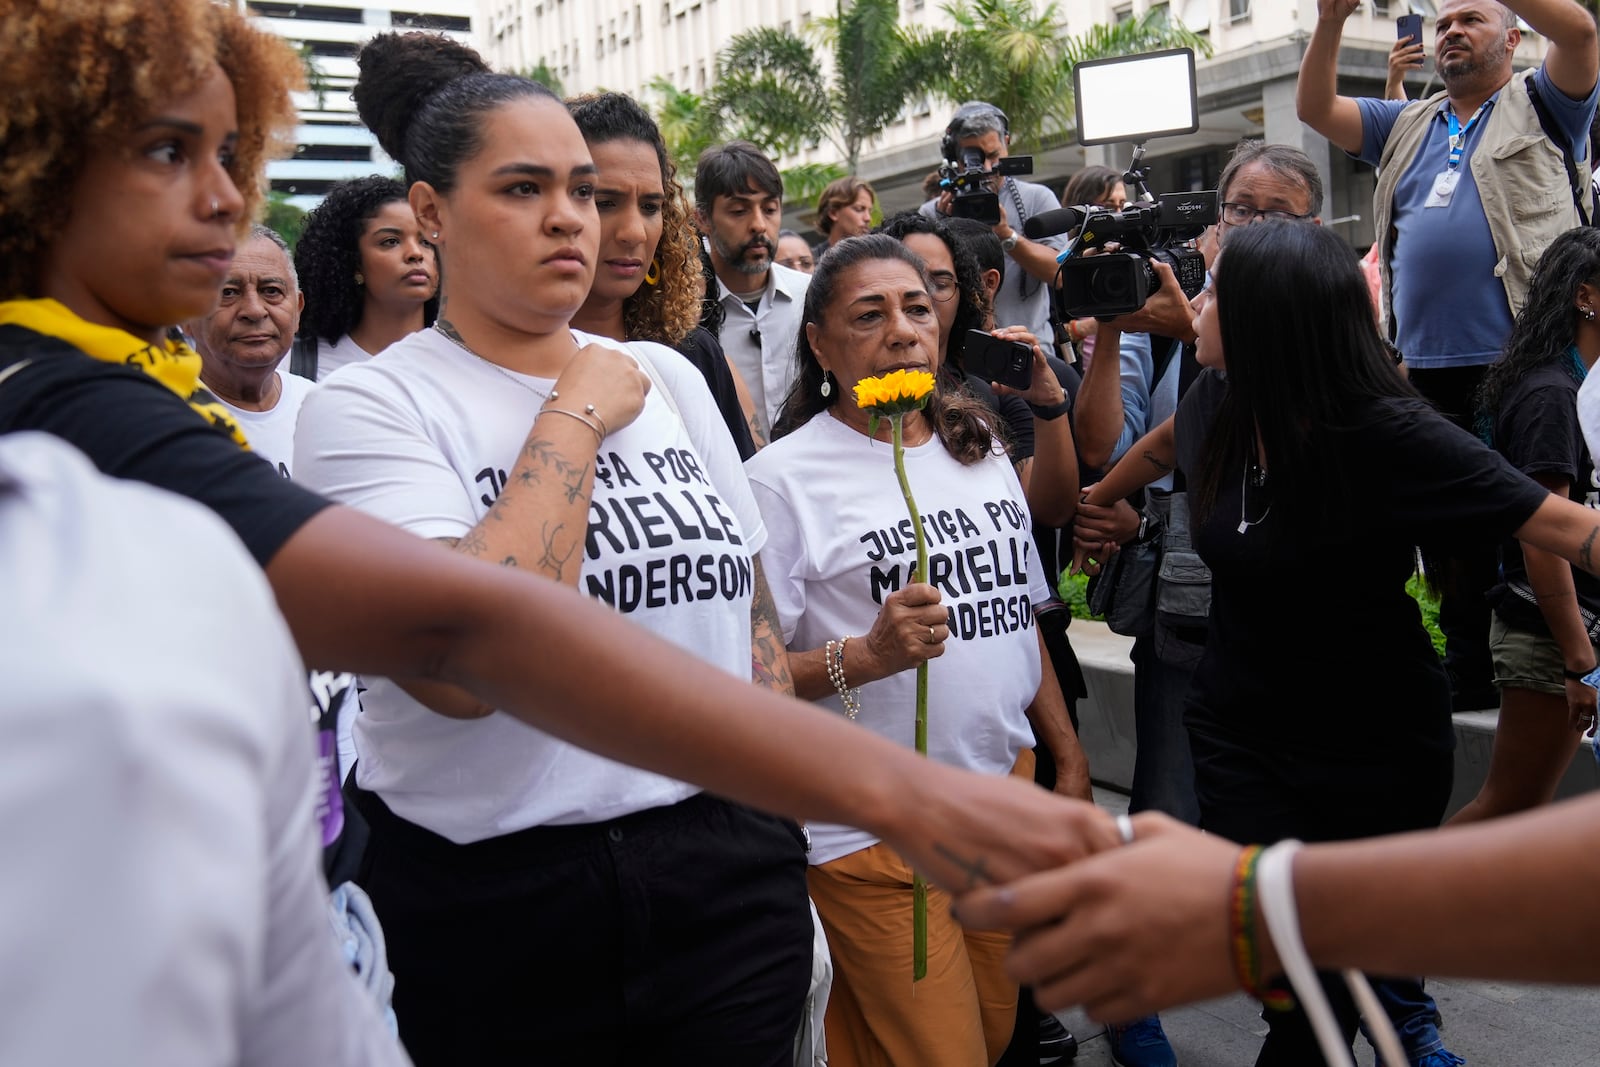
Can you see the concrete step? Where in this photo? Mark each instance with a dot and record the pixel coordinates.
(1107, 731)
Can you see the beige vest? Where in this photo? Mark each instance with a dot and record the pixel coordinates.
(1521, 179)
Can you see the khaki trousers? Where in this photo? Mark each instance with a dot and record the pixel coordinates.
(960, 1015)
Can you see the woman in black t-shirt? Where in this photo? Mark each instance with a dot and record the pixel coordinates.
(1540, 635)
(1320, 709)
(120, 206)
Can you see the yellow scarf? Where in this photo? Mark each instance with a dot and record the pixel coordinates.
(175, 365)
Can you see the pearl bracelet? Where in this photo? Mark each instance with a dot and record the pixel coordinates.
(833, 661)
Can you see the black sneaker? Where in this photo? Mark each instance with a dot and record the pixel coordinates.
(1056, 1043)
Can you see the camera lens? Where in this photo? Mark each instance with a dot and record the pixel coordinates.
(1111, 284)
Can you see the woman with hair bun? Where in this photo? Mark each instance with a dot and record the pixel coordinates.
(647, 283)
(541, 902)
(368, 275)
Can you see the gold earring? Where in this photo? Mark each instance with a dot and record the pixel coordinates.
(653, 275)
(360, 278)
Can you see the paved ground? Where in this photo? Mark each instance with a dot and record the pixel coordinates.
(1491, 1024)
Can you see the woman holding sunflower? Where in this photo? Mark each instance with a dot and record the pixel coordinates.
(839, 559)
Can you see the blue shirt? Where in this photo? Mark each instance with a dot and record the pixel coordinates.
(1145, 404)
(1449, 307)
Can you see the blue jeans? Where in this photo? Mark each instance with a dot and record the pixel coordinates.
(1414, 1014)
(1163, 768)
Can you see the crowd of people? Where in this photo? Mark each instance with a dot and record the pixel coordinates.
(621, 765)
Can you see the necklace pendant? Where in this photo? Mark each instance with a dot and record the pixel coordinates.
(1243, 526)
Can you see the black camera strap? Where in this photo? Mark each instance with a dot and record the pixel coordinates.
(1023, 277)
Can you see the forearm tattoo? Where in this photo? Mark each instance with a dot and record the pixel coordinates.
(769, 660)
(1155, 461)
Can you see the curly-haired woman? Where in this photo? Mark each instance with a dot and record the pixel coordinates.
(647, 283)
(1540, 637)
(368, 275)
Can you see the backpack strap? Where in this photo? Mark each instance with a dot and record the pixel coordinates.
(1547, 123)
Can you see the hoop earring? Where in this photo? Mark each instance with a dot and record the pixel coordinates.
(827, 386)
(653, 275)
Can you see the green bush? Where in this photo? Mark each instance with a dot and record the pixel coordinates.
(1074, 593)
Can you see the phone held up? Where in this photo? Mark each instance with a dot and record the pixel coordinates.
(997, 360)
(1409, 26)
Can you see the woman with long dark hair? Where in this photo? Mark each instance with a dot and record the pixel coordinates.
(1540, 637)
(368, 274)
(840, 553)
(646, 284)
(1313, 460)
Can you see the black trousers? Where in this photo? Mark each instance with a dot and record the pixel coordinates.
(1258, 795)
(676, 935)
(1468, 572)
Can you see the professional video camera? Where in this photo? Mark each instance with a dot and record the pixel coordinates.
(974, 199)
(1129, 99)
(1118, 283)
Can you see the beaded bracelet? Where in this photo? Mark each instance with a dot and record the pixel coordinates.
(1243, 928)
(833, 660)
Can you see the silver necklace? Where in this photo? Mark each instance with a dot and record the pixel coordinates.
(540, 393)
(1244, 483)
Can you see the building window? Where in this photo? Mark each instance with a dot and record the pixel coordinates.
(1122, 13)
(1238, 10)
(416, 20)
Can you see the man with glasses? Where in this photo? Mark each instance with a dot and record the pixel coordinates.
(1118, 403)
(1473, 185)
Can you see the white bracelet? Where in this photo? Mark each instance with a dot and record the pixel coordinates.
(833, 662)
(1276, 905)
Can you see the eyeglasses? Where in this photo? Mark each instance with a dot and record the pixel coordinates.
(1240, 214)
(944, 286)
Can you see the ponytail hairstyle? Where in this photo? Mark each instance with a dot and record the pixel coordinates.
(425, 97)
(958, 419)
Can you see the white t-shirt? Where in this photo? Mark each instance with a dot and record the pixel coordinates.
(424, 438)
(271, 433)
(840, 541)
(341, 353)
(1589, 413)
(162, 904)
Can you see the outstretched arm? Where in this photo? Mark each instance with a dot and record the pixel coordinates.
(360, 595)
(1130, 932)
(1317, 99)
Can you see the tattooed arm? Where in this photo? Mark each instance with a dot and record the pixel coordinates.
(1150, 457)
(540, 519)
(1566, 529)
(769, 660)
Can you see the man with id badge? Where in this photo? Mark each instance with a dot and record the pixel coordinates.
(1473, 184)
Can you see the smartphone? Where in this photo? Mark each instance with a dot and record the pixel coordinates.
(1409, 26)
(996, 360)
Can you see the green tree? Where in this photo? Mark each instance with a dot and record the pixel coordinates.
(1014, 55)
(284, 217)
(546, 77)
(688, 125)
(773, 87)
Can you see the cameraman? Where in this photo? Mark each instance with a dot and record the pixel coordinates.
(1024, 296)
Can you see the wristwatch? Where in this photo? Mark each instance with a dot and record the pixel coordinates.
(1010, 242)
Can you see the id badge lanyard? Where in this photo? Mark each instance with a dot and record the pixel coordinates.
(1444, 186)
